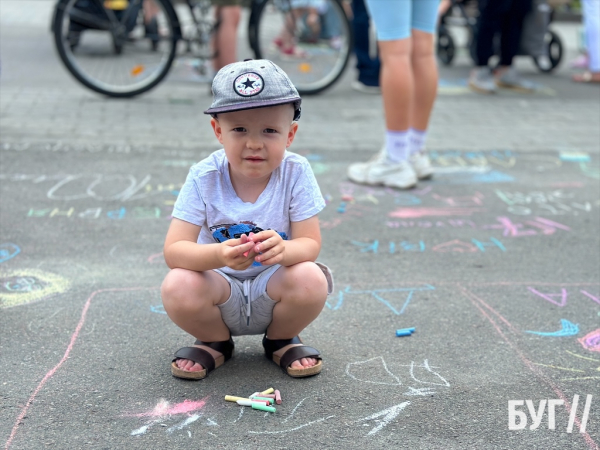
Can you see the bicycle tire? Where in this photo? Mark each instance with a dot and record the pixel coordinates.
(550, 61)
(445, 46)
(320, 54)
(110, 52)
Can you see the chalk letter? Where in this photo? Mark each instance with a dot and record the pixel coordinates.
(367, 247)
(551, 404)
(573, 413)
(143, 212)
(37, 212)
(116, 214)
(513, 414)
(58, 212)
(92, 213)
(483, 245)
(586, 412)
(536, 417)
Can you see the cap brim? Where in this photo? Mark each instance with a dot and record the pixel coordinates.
(253, 105)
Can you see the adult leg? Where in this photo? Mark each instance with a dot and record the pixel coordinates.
(511, 29)
(488, 24)
(511, 32)
(591, 22)
(225, 39)
(391, 167)
(423, 62)
(190, 300)
(368, 68)
(300, 292)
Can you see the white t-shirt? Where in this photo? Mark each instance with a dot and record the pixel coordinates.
(207, 199)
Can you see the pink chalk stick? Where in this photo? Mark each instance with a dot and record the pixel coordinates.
(268, 395)
(277, 397)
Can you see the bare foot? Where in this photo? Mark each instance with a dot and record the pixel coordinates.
(192, 366)
(303, 363)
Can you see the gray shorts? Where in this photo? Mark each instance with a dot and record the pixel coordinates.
(249, 309)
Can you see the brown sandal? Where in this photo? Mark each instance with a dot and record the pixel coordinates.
(284, 352)
(202, 357)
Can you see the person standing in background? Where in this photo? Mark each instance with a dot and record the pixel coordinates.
(591, 24)
(367, 66)
(408, 80)
(504, 17)
(227, 16)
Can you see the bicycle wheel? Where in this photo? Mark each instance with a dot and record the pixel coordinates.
(551, 60)
(310, 40)
(112, 51)
(445, 46)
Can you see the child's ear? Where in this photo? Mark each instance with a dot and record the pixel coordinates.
(217, 129)
(291, 134)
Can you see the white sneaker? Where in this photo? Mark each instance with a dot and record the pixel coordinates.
(422, 165)
(379, 171)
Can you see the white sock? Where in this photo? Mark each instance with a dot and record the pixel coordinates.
(417, 140)
(397, 145)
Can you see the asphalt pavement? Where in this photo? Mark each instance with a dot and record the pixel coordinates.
(495, 262)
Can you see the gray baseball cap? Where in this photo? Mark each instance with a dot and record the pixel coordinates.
(252, 83)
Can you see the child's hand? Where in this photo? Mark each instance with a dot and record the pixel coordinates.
(237, 254)
(269, 247)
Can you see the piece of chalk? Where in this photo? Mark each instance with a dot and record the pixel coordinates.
(263, 407)
(250, 402)
(268, 395)
(277, 397)
(412, 329)
(233, 398)
(268, 391)
(270, 400)
(403, 333)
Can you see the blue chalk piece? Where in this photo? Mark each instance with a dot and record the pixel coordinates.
(403, 332)
(410, 330)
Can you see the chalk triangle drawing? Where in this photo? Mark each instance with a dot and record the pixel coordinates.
(561, 299)
(373, 371)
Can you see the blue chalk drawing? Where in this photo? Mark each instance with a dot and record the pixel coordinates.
(159, 309)
(574, 156)
(8, 251)
(469, 177)
(568, 329)
(383, 296)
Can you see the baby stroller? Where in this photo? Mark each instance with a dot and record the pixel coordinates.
(538, 41)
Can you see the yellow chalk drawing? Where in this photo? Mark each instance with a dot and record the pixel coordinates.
(19, 287)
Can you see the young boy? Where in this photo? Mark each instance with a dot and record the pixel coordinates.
(245, 235)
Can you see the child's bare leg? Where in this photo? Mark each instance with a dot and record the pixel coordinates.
(300, 292)
(190, 300)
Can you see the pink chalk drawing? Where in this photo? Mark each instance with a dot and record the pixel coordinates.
(593, 297)
(163, 408)
(415, 213)
(517, 229)
(550, 297)
(591, 341)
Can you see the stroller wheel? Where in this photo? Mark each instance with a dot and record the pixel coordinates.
(446, 49)
(551, 60)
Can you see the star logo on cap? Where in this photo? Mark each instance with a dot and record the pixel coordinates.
(248, 84)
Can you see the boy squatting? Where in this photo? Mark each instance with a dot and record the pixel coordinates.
(245, 235)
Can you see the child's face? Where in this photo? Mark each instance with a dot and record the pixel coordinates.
(255, 140)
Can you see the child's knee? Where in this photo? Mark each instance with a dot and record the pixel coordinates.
(311, 280)
(179, 290)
